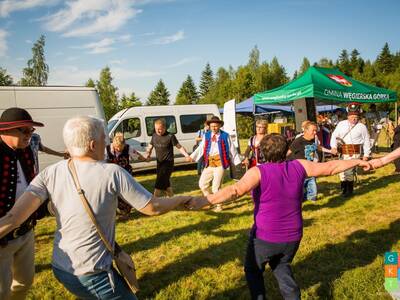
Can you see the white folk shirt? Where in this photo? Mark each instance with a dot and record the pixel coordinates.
(357, 136)
(233, 155)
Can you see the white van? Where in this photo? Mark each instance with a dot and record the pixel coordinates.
(52, 105)
(137, 125)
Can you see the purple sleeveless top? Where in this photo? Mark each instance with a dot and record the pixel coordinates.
(277, 202)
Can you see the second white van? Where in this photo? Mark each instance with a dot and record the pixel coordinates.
(137, 125)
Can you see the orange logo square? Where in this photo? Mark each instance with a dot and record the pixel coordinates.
(391, 271)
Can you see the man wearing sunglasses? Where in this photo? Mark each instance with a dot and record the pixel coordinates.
(17, 169)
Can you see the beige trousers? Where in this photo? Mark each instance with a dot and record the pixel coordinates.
(17, 267)
(348, 175)
(211, 174)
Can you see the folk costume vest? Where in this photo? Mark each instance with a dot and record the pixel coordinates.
(223, 148)
(122, 160)
(255, 152)
(9, 173)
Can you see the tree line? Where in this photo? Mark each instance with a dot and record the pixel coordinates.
(225, 83)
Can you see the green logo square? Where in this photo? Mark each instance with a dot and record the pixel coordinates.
(391, 284)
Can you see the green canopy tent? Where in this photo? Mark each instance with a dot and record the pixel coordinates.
(324, 85)
(328, 85)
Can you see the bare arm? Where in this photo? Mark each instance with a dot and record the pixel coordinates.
(249, 181)
(148, 152)
(52, 152)
(380, 162)
(331, 167)
(23, 208)
(161, 205)
(182, 150)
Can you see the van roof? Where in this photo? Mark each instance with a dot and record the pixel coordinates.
(47, 87)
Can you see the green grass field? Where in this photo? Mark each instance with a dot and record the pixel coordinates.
(199, 255)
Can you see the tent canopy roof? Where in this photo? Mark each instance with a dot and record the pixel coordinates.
(246, 107)
(326, 84)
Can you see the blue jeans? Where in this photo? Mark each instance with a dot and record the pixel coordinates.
(278, 256)
(95, 286)
(310, 189)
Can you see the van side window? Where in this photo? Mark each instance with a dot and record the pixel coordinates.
(193, 123)
(169, 121)
(130, 128)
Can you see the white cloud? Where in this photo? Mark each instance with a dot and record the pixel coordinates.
(73, 75)
(3, 42)
(121, 73)
(20, 59)
(116, 62)
(9, 6)
(104, 45)
(181, 62)
(87, 17)
(180, 35)
(28, 42)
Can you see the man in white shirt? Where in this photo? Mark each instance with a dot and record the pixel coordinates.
(218, 153)
(350, 138)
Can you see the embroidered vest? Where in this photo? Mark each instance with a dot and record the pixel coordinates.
(223, 148)
(122, 160)
(9, 173)
(255, 152)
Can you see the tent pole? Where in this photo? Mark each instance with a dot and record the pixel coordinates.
(396, 113)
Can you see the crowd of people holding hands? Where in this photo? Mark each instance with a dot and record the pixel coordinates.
(279, 175)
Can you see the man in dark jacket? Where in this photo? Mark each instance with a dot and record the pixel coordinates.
(17, 169)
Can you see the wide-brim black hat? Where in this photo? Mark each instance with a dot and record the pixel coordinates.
(214, 119)
(16, 117)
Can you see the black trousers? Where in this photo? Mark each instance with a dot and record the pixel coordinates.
(278, 256)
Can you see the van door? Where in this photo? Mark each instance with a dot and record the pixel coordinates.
(132, 130)
(230, 122)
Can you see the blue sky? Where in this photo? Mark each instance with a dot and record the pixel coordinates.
(145, 40)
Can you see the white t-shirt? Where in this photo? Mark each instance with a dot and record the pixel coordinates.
(78, 248)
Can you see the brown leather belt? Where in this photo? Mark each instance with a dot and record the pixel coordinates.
(350, 149)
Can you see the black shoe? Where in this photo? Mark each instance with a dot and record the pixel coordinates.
(343, 187)
(350, 187)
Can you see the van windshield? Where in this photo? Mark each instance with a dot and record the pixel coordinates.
(111, 125)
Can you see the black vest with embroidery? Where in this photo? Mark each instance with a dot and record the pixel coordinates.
(122, 160)
(9, 173)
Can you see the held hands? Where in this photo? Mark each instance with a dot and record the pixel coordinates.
(334, 151)
(376, 163)
(188, 159)
(196, 203)
(365, 165)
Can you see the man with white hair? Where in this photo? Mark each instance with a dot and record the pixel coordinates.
(81, 261)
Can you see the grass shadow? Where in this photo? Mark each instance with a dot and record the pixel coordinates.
(363, 186)
(359, 249)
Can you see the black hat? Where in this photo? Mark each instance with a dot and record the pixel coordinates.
(16, 117)
(215, 119)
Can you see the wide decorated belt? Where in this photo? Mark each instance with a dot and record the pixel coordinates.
(351, 149)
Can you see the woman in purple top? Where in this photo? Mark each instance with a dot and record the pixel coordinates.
(278, 224)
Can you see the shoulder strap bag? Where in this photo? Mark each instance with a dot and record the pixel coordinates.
(122, 260)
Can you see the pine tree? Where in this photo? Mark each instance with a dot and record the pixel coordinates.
(90, 83)
(278, 74)
(244, 83)
(344, 62)
(385, 62)
(107, 92)
(254, 59)
(324, 63)
(159, 96)
(304, 66)
(206, 80)
(5, 79)
(37, 71)
(187, 93)
(126, 102)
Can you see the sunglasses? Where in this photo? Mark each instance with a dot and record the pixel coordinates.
(26, 131)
